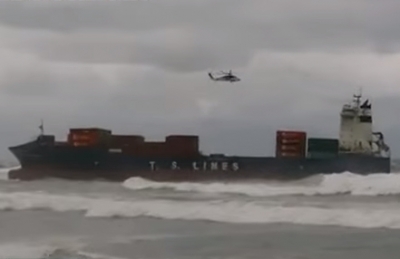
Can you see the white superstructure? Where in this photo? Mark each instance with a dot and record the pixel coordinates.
(356, 131)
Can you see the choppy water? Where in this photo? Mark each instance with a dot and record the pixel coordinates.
(331, 216)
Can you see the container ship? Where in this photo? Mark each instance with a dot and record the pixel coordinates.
(95, 153)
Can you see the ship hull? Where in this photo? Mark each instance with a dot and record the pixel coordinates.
(38, 162)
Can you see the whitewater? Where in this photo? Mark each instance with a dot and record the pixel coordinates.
(105, 220)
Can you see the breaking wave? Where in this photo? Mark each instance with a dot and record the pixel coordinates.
(4, 172)
(22, 251)
(344, 183)
(41, 251)
(214, 210)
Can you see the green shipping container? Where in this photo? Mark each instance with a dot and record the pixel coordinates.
(320, 155)
(323, 145)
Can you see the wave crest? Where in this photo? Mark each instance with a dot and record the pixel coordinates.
(343, 183)
(216, 210)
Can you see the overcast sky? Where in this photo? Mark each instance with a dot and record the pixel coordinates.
(140, 67)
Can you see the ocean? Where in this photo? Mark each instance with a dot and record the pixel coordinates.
(322, 217)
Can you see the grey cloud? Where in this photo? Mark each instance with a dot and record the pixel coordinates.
(34, 78)
(269, 23)
(187, 52)
(190, 36)
(112, 15)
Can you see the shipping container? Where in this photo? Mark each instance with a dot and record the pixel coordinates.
(193, 140)
(89, 140)
(291, 134)
(183, 145)
(182, 137)
(90, 130)
(294, 148)
(316, 154)
(148, 149)
(323, 141)
(297, 150)
(89, 137)
(297, 153)
(290, 143)
(284, 136)
(126, 140)
(288, 154)
(173, 147)
(323, 145)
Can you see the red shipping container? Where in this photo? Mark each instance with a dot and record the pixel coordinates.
(291, 148)
(126, 140)
(87, 139)
(174, 147)
(291, 134)
(290, 143)
(89, 130)
(288, 154)
(300, 150)
(297, 152)
(89, 136)
(188, 140)
(293, 140)
(183, 145)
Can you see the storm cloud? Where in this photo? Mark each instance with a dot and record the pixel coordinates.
(140, 67)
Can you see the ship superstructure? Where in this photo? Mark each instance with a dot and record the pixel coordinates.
(356, 130)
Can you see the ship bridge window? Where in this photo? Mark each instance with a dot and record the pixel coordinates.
(365, 119)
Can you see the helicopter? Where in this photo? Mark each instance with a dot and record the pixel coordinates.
(228, 77)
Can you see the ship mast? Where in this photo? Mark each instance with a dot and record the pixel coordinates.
(41, 127)
(357, 99)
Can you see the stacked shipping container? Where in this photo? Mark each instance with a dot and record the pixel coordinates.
(149, 149)
(322, 147)
(179, 146)
(173, 146)
(183, 146)
(290, 143)
(122, 141)
(89, 137)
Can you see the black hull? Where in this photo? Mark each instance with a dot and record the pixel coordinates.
(41, 161)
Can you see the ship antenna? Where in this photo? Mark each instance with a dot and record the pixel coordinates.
(357, 98)
(41, 127)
